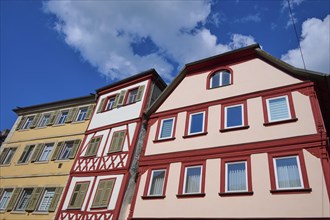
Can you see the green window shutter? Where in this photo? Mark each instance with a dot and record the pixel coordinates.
(52, 118)
(139, 94)
(121, 97)
(21, 123)
(117, 141)
(55, 199)
(1, 191)
(13, 199)
(27, 147)
(78, 195)
(37, 152)
(100, 108)
(71, 115)
(35, 121)
(103, 193)
(98, 195)
(75, 147)
(4, 154)
(89, 112)
(90, 146)
(57, 151)
(95, 146)
(115, 103)
(34, 199)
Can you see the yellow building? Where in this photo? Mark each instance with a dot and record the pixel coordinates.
(37, 155)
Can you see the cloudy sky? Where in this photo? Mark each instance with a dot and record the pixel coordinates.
(54, 50)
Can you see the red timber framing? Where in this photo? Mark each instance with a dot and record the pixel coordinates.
(109, 164)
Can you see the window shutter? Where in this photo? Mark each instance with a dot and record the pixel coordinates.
(55, 199)
(121, 97)
(115, 103)
(35, 121)
(52, 118)
(98, 195)
(1, 191)
(4, 154)
(140, 93)
(107, 192)
(37, 152)
(75, 147)
(80, 195)
(95, 146)
(57, 150)
(101, 106)
(71, 115)
(24, 153)
(34, 199)
(89, 112)
(90, 146)
(21, 123)
(13, 199)
(117, 141)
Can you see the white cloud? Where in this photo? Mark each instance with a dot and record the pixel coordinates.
(104, 33)
(293, 4)
(249, 18)
(315, 45)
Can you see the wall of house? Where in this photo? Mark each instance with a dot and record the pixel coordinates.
(261, 204)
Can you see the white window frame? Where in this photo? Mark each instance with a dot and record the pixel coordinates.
(133, 96)
(299, 171)
(226, 116)
(47, 190)
(161, 127)
(226, 177)
(203, 123)
(185, 179)
(3, 202)
(65, 147)
(81, 115)
(220, 72)
(108, 106)
(28, 122)
(150, 183)
(287, 104)
(48, 145)
(10, 155)
(43, 123)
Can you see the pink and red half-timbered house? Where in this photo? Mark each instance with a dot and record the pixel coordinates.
(103, 166)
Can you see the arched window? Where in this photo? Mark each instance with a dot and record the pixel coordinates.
(220, 78)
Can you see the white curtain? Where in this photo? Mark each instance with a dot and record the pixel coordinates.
(236, 179)
(288, 176)
(157, 183)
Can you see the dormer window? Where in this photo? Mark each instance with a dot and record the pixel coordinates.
(220, 78)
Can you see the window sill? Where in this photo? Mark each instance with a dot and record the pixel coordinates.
(41, 162)
(56, 125)
(247, 193)
(290, 191)
(99, 208)
(5, 165)
(234, 129)
(18, 212)
(196, 195)
(194, 135)
(40, 213)
(152, 197)
(164, 140)
(280, 122)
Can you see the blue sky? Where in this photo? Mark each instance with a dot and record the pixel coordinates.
(54, 50)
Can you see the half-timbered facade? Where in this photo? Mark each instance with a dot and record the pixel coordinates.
(101, 171)
(238, 135)
(37, 156)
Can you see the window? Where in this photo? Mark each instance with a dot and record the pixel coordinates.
(46, 199)
(117, 141)
(62, 117)
(236, 177)
(234, 116)
(103, 193)
(196, 124)
(67, 148)
(156, 185)
(110, 103)
(47, 149)
(192, 180)
(24, 199)
(5, 198)
(78, 195)
(6, 155)
(82, 114)
(166, 128)
(132, 94)
(220, 78)
(26, 155)
(44, 120)
(93, 146)
(287, 172)
(28, 122)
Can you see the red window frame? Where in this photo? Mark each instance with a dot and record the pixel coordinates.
(182, 179)
(300, 155)
(158, 129)
(267, 122)
(127, 95)
(208, 82)
(223, 116)
(109, 196)
(223, 174)
(147, 184)
(186, 133)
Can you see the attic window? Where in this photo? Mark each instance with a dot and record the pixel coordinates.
(219, 78)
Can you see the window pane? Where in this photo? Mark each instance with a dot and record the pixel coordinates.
(82, 114)
(46, 200)
(166, 130)
(225, 78)
(196, 123)
(5, 198)
(234, 116)
(28, 122)
(215, 80)
(236, 177)
(110, 104)
(22, 203)
(46, 152)
(44, 121)
(278, 109)
(157, 182)
(287, 171)
(66, 150)
(132, 96)
(62, 117)
(193, 180)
